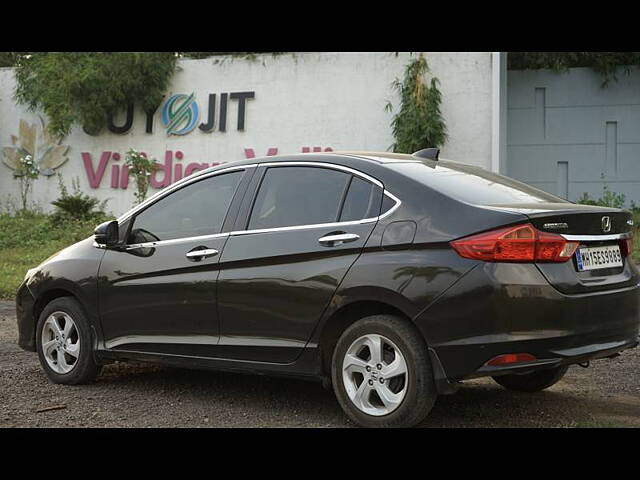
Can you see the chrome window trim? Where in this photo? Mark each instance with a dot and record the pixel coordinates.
(325, 225)
(598, 238)
(326, 165)
(302, 227)
(162, 193)
(358, 173)
(175, 241)
(181, 183)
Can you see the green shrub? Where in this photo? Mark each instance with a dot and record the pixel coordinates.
(608, 199)
(419, 122)
(78, 206)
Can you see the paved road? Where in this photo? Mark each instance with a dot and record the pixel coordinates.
(139, 395)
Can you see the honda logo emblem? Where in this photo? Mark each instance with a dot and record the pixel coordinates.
(606, 224)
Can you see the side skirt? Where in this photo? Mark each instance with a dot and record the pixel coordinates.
(306, 367)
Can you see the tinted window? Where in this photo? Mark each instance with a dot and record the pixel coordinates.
(359, 200)
(291, 196)
(197, 209)
(473, 184)
(387, 204)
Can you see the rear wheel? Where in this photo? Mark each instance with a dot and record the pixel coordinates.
(63, 341)
(532, 382)
(381, 373)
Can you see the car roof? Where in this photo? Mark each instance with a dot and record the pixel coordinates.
(372, 157)
(380, 157)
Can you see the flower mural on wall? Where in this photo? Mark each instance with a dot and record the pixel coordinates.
(40, 144)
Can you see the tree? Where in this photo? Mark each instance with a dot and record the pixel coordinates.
(86, 88)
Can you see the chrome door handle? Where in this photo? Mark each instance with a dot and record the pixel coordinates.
(338, 239)
(200, 254)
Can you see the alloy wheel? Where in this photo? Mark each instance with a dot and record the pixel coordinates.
(375, 374)
(60, 342)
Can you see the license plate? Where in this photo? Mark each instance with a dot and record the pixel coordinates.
(593, 258)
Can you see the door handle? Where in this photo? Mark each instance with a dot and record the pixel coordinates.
(197, 255)
(334, 240)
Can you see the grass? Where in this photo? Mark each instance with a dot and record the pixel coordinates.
(29, 238)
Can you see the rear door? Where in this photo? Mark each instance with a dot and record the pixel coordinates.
(295, 240)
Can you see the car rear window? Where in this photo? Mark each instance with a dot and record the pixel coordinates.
(474, 185)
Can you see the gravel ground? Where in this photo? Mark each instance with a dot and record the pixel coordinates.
(141, 395)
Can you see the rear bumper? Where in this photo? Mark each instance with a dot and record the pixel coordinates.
(511, 308)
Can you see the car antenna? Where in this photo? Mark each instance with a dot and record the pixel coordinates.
(428, 153)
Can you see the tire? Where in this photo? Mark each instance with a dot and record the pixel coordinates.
(78, 340)
(532, 382)
(410, 396)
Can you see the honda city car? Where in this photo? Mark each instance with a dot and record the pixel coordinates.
(390, 278)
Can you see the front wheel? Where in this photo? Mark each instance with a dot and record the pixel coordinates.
(532, 382)
(381, 373)
(63, 341)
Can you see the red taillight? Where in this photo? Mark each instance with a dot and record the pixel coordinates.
(521, 243)
(510, 358)
(626, 246)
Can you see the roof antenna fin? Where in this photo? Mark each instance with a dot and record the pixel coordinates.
(428, 153)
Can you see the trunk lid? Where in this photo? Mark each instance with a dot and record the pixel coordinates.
(592, 226)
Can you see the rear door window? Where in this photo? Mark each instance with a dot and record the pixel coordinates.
(291, 196)
(361, 201)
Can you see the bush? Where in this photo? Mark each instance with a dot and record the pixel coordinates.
(77, 206)
(608, 199)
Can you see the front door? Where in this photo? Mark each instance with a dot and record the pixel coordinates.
(158, 293)
(278, 273)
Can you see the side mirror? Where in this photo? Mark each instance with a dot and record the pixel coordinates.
(106, 233)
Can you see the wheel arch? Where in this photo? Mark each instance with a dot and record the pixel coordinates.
(345, 316)
(46, 297)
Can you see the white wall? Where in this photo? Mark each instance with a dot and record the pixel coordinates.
(311, 100)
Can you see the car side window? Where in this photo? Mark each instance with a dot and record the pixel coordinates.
(387, 204)
(197, 209)
(290, 196)
(360, 200)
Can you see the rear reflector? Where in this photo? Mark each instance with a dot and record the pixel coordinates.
(510, 358)
(520, 243)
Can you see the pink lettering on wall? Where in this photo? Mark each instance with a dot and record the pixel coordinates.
(169, 171)
(316, 149)
(95, 177)
(249, 153)
(165, 169)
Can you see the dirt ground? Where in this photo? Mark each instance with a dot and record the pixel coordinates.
(138, 395)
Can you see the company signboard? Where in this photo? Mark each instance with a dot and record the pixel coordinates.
(221, 111)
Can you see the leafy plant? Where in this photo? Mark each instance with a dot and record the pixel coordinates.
(26, 172)
(86, 88)
(78, 205)
(419, 123)
(604, 63)
(140, 168)
(608, 198)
